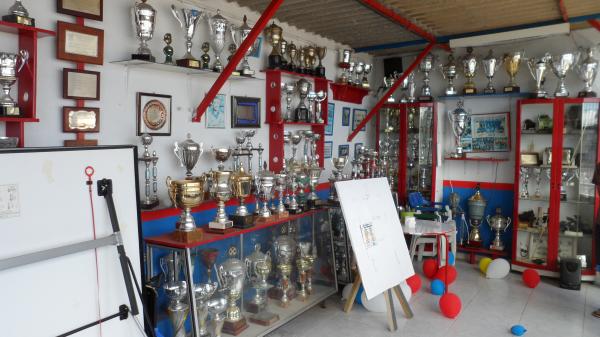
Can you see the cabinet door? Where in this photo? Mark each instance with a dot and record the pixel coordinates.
(420, 150)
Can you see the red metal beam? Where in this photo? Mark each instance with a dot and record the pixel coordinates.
(237, 57)
(595, 24)
(397, 18)
(563, 10)
(391, 90)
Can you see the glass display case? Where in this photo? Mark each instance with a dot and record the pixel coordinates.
(388, 139)
(245, 283)
(555, 200)
(345, 266)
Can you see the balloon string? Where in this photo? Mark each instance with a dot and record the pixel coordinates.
(89, 172)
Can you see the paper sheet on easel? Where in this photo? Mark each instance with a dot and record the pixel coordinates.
(375, 233)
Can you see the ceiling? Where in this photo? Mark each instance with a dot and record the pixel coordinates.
(352, 23)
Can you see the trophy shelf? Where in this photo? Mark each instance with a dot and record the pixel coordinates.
(15, 28)
(499, 94)
(348, 93)
(177, 69)
(297, 123)
(488, 159)
(295, 74)
(19, 119)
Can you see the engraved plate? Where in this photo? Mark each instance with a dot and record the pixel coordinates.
(81, 44)
(82, 120)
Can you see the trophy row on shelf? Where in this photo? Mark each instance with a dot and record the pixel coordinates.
(353, 72)
(311, 113)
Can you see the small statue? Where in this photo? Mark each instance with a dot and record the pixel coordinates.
(168, 50)
(232, 49)
(205, 58)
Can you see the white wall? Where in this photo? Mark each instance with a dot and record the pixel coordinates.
(120, 84)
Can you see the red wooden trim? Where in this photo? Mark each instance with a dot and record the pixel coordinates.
(384, 98)
(595, 24)
(433, 151)
(15, 28)
(533, 265)
(515, 234)
(483, 185)
(402, 154)
(554, 208)
(489, 159)
(237, 57)
(563, 10)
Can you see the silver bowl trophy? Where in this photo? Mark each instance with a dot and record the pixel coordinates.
(220, 191)
(177, 309)
(449, 72)
(188, 19)
(537, 68)
(188, 153)
(222, 154)
(203, 292)
(499, 224)
(258, 268)
(216, 310)
(339, 163)
(10, 66)
(458, 122)
(470, 64)
(18, 14)
(511, 62)
(239, 34)
(587, 69)
(561, 65)
(218, 26)
(490, 67)
(150, 174)
(476, 204)
(285, 248)
(426, 66)
(144, 18)
(231, 275)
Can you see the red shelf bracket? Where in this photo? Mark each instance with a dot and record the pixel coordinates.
(595, 24)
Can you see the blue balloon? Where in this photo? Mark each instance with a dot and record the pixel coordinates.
(358, 295)
(451, 258)
(518, 330)
(437, 287)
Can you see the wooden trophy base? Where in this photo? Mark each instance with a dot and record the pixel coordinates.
(188, 237)
(276, 293)
(261, 220)
(264, 318)
(10, 111)
(489, 91)
(188, 63)
(150, 205)
(474, 244)
(512, 89)
(235, 328)
(295, 211)
(22, 20)
(255, 308)
(583, 94)
(311, 204)
(143, 57)
(282, 215)
(208, 229)
(242, 221)
(81, 142)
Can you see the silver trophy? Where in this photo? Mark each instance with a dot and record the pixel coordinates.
(239, 34)
(470, 65)
(425, 67)
(525, 183)
(221, 191)
(321, 95)
(458, 121)
(490, 64)
(177, 309)
(311, 97)
(203, 293)
(280, 186)
(216, 309)
(499, 224)
(150, 200)
(231, 275)
(365, 80)
(537, 68)
(285, 247)
(288, 90)
(561, 64)
(10, 66)
(339, 163)
(587, 70)
(449, 71)
(188, 153)
(303, 88)
(222, 154)
(265, 184)
(258, 268)
(144, 17)
(218, 26)
(188, 20)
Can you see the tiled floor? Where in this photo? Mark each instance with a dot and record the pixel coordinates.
(489, 309)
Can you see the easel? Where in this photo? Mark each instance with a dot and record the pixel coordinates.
(391, 313)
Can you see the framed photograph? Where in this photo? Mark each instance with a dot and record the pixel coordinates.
(487, 133)
(245, 112)
(89, 9)
(357, 116)
(215, 114)
(256, 52)
(81, 119)
(346, 116)
(81, 84)
(153, 114)
(328, 149)
(344, 150)
(357, 146)
(78, 43)
(330, 115)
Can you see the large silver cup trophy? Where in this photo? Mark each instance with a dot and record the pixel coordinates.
(239, 34)
(221, 192)
(490, 66)
(258, 268)
(177, 309)
(203, 292)
(449, 71)
(188, 20)
(231, 275)
(218, 26)
(537, 68)
(587, 70)
(10, 66)
(458, 122)
(499, 224)
(188, 153)
(144, 17)
(561, 64)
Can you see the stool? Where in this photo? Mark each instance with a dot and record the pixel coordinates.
(419, 242)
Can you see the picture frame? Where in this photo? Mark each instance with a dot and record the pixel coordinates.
(81, 84)
(77, 43)
(529, 159)
(154, 114)
(330, 119)
(215, 114)
(245, 112)
(256, 52)
(81, 119)
(357, 146)
(487, 133)
(89, 9)
(357, 116)
(328, 149)
(345, 116)
(344, 150)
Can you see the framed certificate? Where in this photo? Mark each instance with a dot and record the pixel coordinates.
(81, 119)
(81, 84)
(89, 9)
(78, 43)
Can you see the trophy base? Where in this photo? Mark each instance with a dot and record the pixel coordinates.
(469, 91)
(242, 221)
(219, 231)
(79, 143)
(143, 57)
(22, 20)
(539, 94)
(261, 220)
(476, 244)
(189, 63)
(220, 225)
(295, 211)
(255, 308)
(489, 91)
(583, 94)
(333, 202)
(277, 293)
(235, 328)
(149, 205)
(274, 61)
(301, 115)
(282, 215)
(247, 72)
(425, 98)
(499, 248)
(312, 204)
(188, 237)
(512, 89)
(264, 318)
(11, 111)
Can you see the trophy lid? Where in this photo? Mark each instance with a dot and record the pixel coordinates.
(143, 6)
(18, 9)
(477, 196)
(219, 17)
(233, 264)
(244, 27)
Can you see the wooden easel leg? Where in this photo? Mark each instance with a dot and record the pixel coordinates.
(350, 300)
(391, 314)
(403, 302)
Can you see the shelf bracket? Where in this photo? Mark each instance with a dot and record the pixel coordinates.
(391, 90)
(236, 58)
(595, 24)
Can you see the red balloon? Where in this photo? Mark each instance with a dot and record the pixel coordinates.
(430, 267)
(414, 282)
(447, 274)
(450, 305)
(531, 278)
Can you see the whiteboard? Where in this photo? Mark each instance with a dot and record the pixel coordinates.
(45, 203)
(375, 233)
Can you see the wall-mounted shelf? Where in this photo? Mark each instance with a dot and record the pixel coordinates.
(348, 93)
(177, 69)
(299, 123)
(480, 159)
(15, 28)
(496, 95)
(295, 74)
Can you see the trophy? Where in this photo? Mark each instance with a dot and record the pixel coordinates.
(150, 201)
(587, 70)
(302, 266)
(537, 68)
(365, 80)
(284, 247)
(310, 60)
(10, 66)
(498, 223)
(275, 35)
(358, 71)
(177, 309)
(490, 66)
(19, 14)
(339, 163)
(292, 52)
(425, 66)
(458, 121)
(538, 178)
(188, 20)
(168, 49)
(242, 188)
(470, 63)
(170, 265)
(258, 266)
(222, 154)
(231, 275)
(239, 35)
(477, 206)
(288, 90)
(220, 191)
(186, 194)
(512, 62)
(144, 17)
(449, 72)
(321, 52)
(314, 173)
(205, 58)
(311, 97)
(411, 87)
(303, 87)
(283, 47)
(525, 183)
(216, 310)
(561, 65)
(218, 26)
(203, 293)
(344, 64)
(280, 187)
(265, 184)
(188, 153)
(208, 257)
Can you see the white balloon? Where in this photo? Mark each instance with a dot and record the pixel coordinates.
(377, 303)
(498, 268)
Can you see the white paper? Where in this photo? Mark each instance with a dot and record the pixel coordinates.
(81, 44)
(9, 201)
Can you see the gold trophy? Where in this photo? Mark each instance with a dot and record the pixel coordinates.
(275, 35)
(186, 194)
(242, 187)
(220, 190)
(512, 62)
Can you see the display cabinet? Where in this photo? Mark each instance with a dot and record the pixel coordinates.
(248, 282)
(345, 266)
(555, 199)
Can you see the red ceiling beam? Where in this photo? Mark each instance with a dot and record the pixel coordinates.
(237, 57)
(563, 10)
(397, 18)
(391, 90)
(595, 24)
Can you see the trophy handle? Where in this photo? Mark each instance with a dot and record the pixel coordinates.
(23, 59)
(178, 154)
(220, 277)
(508, 222)
(169, 190)
(176, 15)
